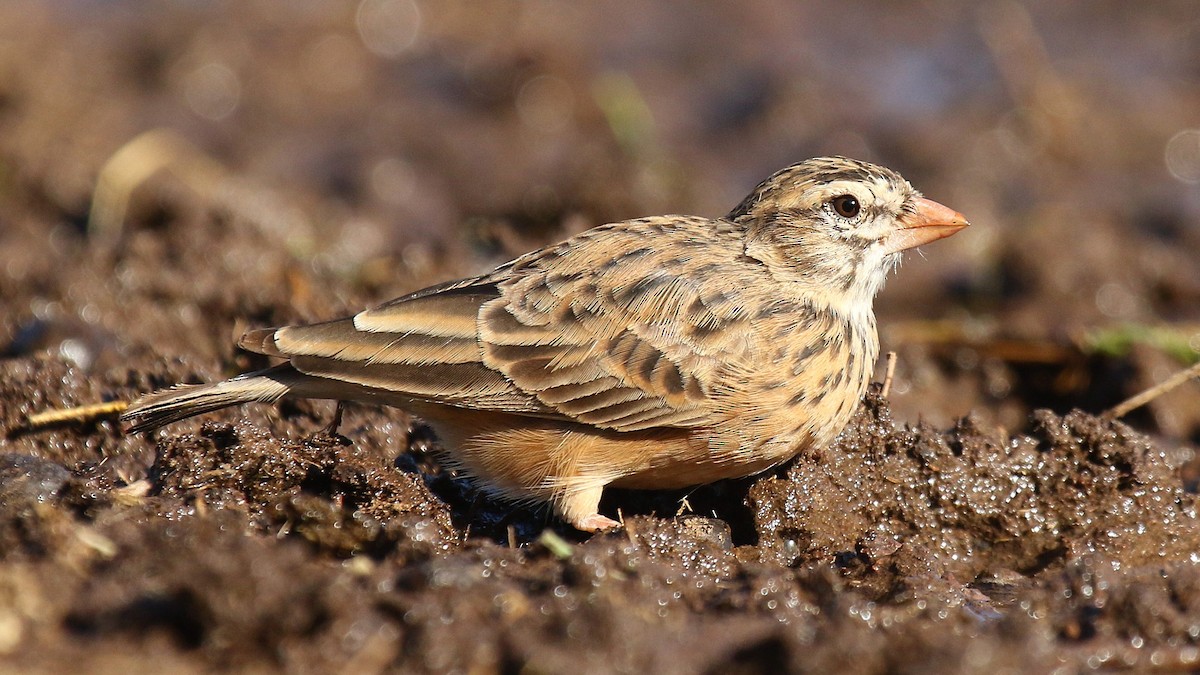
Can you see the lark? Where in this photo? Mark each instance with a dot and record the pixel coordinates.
(653, 353)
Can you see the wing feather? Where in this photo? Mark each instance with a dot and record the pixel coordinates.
(450, 312)
(616, 340)
(468, 385)
(342, 340)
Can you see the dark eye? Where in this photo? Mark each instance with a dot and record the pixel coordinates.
(846, 206)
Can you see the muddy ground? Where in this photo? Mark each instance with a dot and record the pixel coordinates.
(175, 173)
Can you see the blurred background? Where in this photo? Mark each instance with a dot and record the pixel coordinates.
(173, 171)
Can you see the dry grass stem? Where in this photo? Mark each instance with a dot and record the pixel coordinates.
(888, 374)
(1139, 400)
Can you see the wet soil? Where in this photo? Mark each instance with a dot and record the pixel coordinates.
(984, 517)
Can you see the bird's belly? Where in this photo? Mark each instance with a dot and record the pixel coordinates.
(523, 457)
(696, 469)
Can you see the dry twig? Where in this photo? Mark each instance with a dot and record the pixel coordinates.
(1141, 399)
(888, 373)
(61, 416)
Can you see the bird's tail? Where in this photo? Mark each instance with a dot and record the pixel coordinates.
(185, 400)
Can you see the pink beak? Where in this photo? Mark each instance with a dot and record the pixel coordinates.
(931, 222)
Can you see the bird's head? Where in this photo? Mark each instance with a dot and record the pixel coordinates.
(836, 226)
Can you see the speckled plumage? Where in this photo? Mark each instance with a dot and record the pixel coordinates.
(652, 353)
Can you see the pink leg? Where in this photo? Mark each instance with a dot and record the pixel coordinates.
(581, 508)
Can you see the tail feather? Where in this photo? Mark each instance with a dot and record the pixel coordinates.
(186, 400)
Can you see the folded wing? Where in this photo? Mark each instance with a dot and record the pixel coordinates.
(618, 341)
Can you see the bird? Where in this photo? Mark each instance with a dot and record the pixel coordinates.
(653, 353)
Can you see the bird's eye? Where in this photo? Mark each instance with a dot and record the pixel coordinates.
(846, 206)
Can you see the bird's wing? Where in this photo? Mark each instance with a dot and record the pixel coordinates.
(424, 346)
(611, 329)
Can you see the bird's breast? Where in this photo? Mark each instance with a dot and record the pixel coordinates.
(803, 382)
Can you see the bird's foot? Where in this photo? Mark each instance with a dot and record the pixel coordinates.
(596, 523)
(580, 506)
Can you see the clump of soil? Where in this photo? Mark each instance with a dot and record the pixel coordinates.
(1074, 485)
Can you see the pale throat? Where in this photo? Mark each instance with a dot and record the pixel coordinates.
(844, 282)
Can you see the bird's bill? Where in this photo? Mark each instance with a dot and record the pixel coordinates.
(930, 222)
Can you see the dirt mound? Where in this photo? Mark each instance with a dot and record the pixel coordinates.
(981, 502)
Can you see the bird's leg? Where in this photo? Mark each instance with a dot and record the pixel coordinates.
(332, 429)
(581, 508)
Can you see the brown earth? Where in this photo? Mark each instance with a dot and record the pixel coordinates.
(311, 162)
